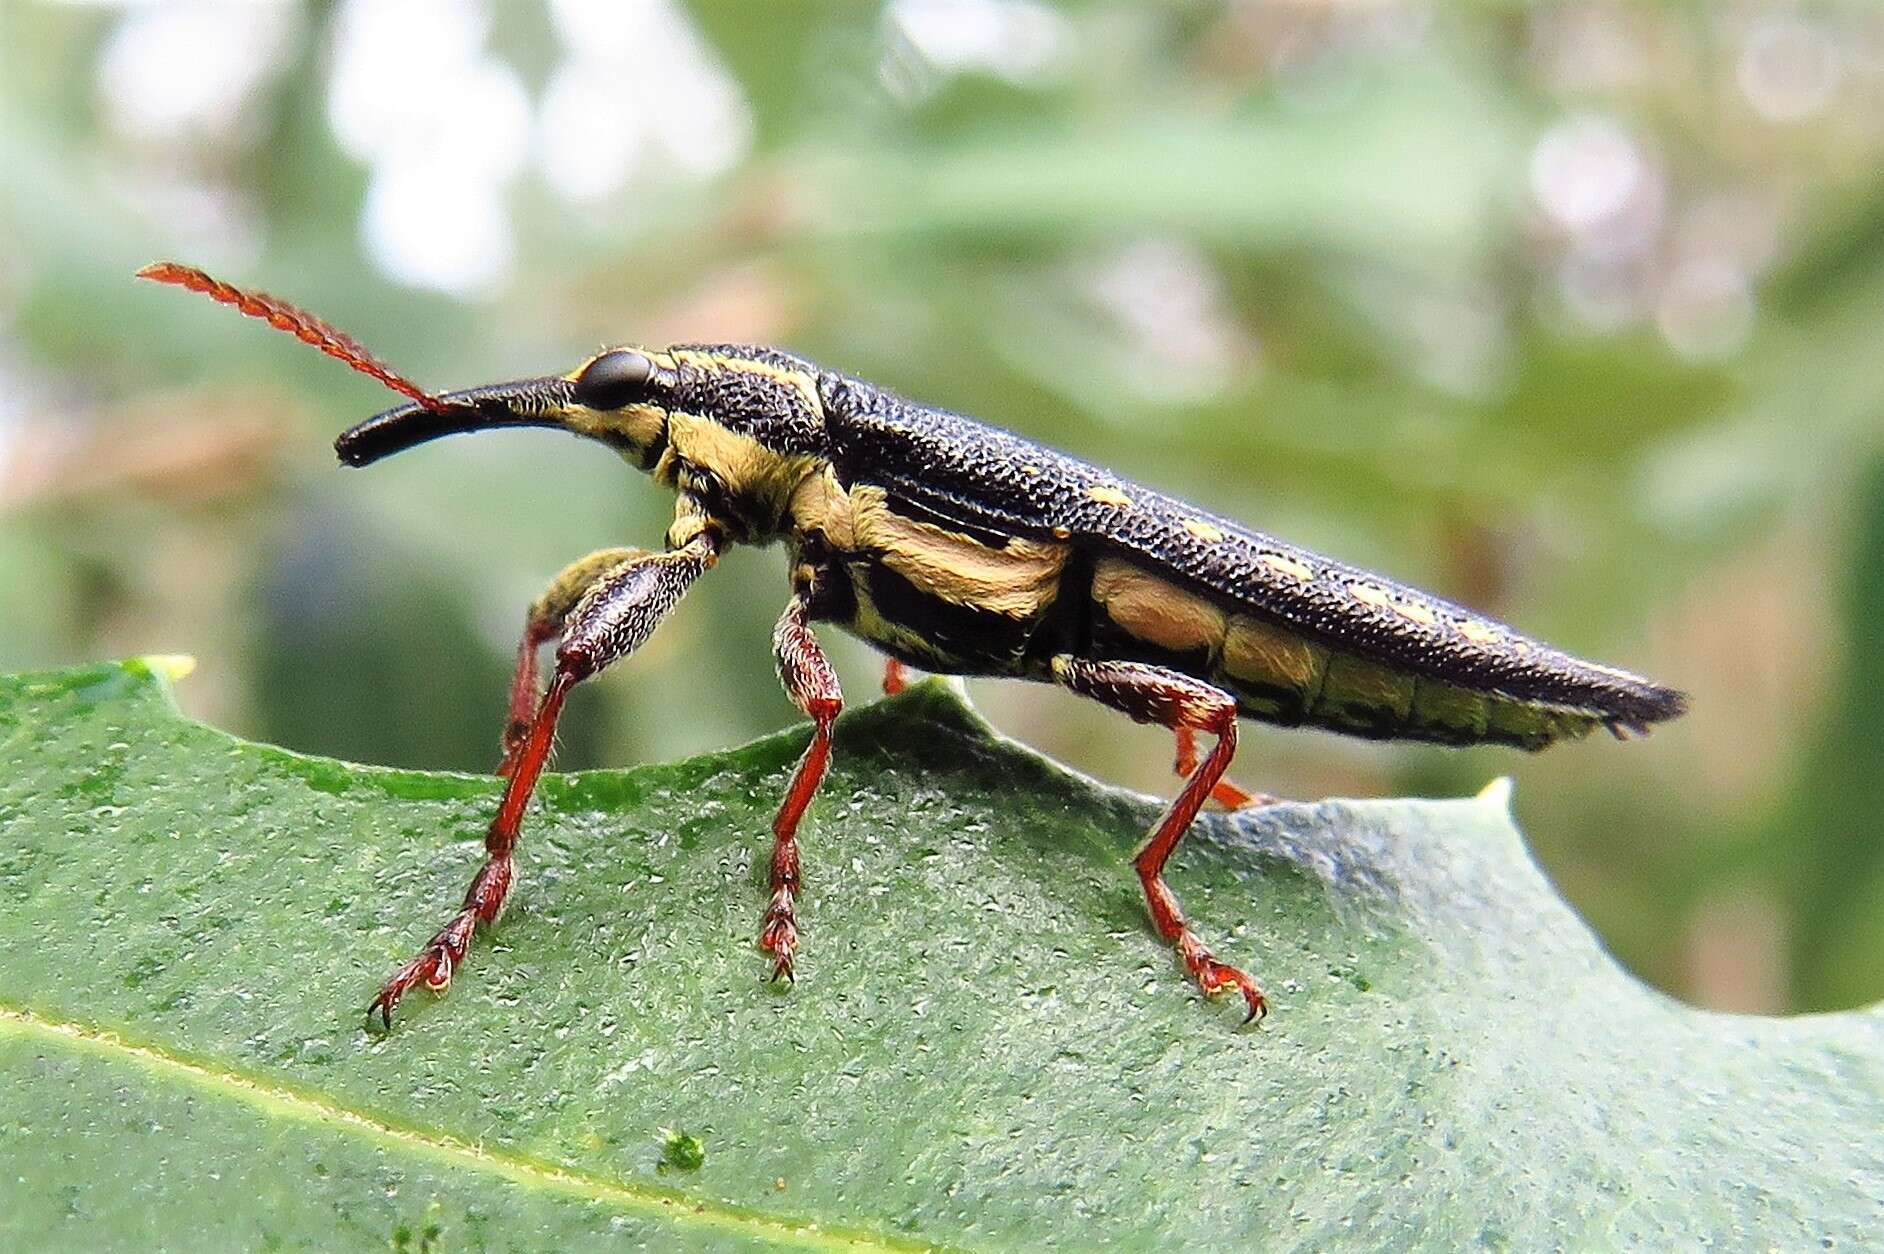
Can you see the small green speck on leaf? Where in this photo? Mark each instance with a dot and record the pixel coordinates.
(681, 1151)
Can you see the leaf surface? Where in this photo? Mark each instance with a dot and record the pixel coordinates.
(985, 1048)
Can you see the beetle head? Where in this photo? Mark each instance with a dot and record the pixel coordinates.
(619, 396)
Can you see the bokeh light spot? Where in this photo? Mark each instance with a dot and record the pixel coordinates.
(425, 228)
(183, 71)
(1584, 171)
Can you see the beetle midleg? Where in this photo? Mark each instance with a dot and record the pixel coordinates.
(1153, 694)
(610, 620)
(542, 623)
(811, 682)
(1174, 622)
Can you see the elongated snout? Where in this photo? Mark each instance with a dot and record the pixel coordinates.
(540, 402)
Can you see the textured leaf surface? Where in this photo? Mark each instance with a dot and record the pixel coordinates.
(985, 1048)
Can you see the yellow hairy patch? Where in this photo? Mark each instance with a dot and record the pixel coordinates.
(685, 529)
(1477, 632)
(869, 623)
(1260, 653)
(1357, 682)
(1414, 612)
(1536, 724)
(1019, 579)
(821, 504)
(1108, 495)
(1203, 530)
(1155, 611)
(1285, 565)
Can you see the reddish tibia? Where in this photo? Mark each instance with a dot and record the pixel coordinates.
(1211, 975)
(299, 323)
(895, 677)
(523, 696)
(778, 930)
(1229, 795)
(484, 900)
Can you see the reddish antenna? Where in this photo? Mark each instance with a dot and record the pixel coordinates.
(299, 323)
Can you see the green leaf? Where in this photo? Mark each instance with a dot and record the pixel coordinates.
(985, 1048)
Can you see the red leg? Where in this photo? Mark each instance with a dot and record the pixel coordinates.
(523, 690)
(811, 682)
(1229, 795)
(484, 900)
(895, 677)
(543, 623)
(1152, 694)
(612, 619)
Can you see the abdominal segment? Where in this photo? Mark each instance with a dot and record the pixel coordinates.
(1282, 676)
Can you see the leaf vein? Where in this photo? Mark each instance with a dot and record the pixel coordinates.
(278, 1099)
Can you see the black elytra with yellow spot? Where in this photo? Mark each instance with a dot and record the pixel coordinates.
(962, 548)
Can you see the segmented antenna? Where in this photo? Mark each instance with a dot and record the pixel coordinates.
(299, 323)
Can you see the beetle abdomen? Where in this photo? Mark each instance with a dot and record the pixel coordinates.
(1279, 675)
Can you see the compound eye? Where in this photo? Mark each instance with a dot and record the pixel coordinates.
(614, 379)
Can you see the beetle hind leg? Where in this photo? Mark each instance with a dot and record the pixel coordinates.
(895, 676)
(1152, 694)
(1229, 795)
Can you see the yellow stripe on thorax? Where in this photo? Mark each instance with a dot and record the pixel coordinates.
(758, 477)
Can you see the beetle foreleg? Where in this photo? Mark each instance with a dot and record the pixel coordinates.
(1152, 694)
(811, 682)
(543, 623)
(610, 620)
(895, 676)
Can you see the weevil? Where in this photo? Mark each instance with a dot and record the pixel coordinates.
(960, 548)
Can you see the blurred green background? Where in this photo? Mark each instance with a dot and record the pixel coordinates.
(1572, 314)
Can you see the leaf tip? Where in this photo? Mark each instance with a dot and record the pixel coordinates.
(1497, 794)
(170, 667)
